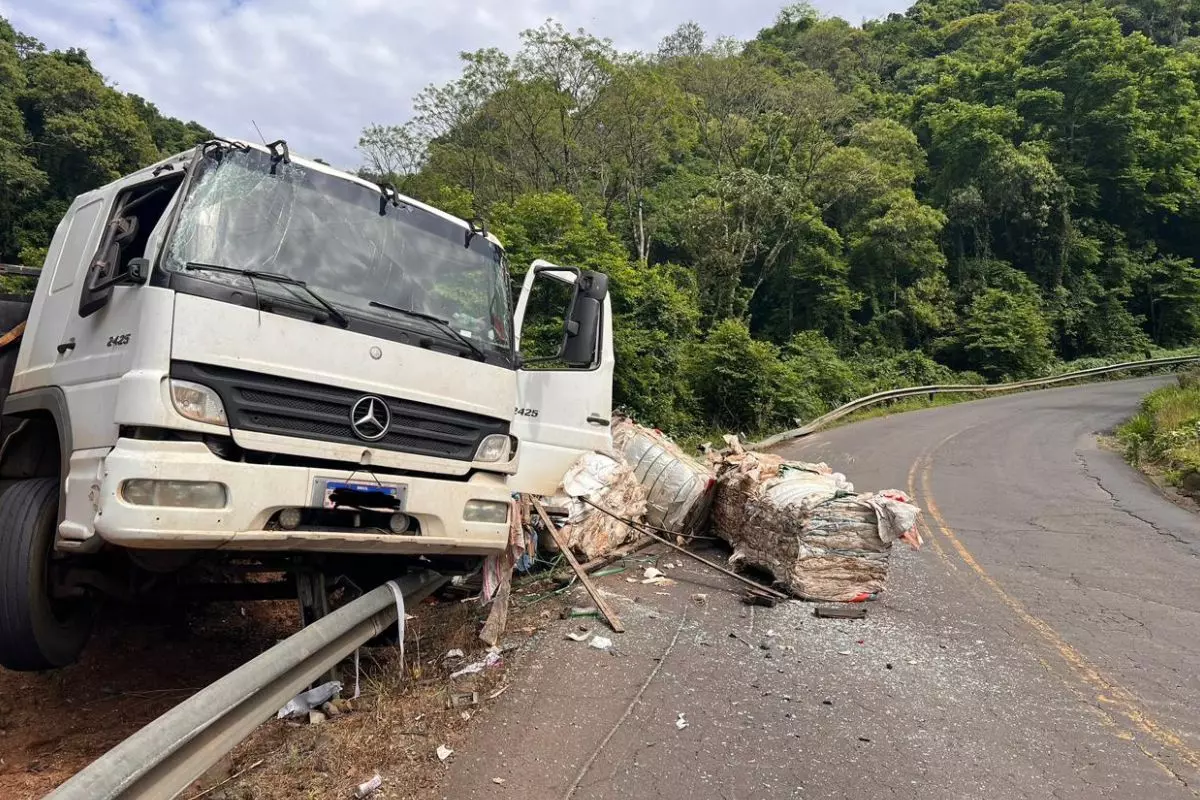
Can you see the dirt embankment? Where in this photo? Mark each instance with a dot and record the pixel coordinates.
(142, 661)
(145, 660)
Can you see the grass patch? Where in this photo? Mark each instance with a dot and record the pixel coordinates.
(1165, 434)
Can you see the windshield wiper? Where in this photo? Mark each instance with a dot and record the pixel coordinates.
(276, 277)
(441, 323)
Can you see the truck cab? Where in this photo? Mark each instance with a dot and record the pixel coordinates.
(237, 350)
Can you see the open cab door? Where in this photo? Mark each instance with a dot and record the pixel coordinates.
(564, 384)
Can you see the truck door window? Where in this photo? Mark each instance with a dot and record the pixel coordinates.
(542, 329)
(134, 214)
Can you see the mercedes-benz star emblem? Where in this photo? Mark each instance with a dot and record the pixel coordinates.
(370, 418)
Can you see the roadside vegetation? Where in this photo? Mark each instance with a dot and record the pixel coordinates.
(969, 191)
(1164, 437)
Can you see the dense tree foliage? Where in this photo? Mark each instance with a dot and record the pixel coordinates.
(974, 189)
(974, 186)
(64, 131)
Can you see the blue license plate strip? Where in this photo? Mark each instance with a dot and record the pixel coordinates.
(324, 488)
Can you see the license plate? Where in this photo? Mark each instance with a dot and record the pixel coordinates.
(366, 493)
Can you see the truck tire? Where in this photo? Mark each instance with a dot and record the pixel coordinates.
(37, 631)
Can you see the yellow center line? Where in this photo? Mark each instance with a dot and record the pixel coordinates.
(922, 525)
(1108, 694)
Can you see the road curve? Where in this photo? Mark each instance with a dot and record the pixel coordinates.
(1044, 644)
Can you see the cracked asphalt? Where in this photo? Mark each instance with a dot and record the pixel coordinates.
(1045, 643)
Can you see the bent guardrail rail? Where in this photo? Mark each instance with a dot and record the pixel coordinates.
(984, 389)
(165, 757)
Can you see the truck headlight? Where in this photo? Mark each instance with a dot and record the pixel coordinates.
(493, 511)
(173, 494)
(198, 403)
(494, 448)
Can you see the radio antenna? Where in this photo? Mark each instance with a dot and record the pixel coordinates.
(260, 133)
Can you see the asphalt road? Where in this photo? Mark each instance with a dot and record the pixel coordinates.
(1044, 644)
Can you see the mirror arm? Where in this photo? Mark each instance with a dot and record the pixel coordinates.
(113, 281)
(134, 274)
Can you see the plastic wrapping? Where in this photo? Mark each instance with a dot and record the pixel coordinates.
(679, 489)
(610, 484)
(805, 525)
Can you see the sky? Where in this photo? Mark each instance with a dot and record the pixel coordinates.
(316, 72)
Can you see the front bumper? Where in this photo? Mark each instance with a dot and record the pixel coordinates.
(256, 492)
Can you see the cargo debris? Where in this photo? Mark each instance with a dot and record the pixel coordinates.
(491, 659)
(841, 612)
(303, 703)
(610, 484)
(678, 488)
(369, 787)
(805, 524)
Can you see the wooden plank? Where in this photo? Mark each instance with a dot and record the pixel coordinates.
(12, 335)
(619, 553)
(613, 620)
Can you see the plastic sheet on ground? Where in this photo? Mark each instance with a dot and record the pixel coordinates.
(610, 484)
(497, 575)
(805, 525)
(679, 489)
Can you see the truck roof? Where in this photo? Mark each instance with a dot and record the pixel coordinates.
(316, 165)
(179, 160)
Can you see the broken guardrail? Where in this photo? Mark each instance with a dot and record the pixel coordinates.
(983, 389)
(165, 757)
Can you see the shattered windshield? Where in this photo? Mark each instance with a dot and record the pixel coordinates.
(343, 239)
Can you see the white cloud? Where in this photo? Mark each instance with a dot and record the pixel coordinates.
(317, 71)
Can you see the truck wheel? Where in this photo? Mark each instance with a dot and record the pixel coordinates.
(37, 630)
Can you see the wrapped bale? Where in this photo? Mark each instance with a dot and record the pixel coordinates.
(805, 525)
(679, 489)
(610, 484)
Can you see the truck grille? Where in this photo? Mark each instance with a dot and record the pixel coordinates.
(263, 403)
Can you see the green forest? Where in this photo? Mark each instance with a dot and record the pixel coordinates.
(970, 191)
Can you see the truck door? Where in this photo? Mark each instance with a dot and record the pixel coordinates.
(98, 334)
(74, 242)
(563, 409)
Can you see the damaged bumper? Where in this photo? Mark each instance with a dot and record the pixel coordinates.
(236, 516)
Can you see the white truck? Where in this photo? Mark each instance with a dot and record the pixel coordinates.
(237, 350)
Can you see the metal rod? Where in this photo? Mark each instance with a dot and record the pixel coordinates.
(646, 529)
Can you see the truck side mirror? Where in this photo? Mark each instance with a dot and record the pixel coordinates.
(583, 319)
(559, 316)
(99, 286)
(106, 271)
